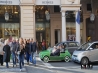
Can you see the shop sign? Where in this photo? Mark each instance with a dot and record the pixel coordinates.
(9, 2)
(48, 2)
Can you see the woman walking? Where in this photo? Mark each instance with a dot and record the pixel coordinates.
(21, 53)
(7, 53)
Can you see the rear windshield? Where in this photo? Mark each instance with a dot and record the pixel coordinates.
(73, 44)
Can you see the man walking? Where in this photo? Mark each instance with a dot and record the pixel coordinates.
(33, 49)
(14, 51)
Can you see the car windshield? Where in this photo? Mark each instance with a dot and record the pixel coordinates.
(50, 49)
(58, 43)
(73, 44)
(84, 46)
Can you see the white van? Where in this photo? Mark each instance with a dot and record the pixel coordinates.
(86, 53)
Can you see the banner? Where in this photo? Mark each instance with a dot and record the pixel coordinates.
(9, 2)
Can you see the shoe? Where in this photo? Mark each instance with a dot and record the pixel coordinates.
(16, 65)
(27, 63)
(1, 64)
(7, 66)
(20, 69)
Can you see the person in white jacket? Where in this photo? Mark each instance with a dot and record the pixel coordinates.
(1, 52)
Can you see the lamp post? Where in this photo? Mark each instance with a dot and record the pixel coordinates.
(92, 16)
(47, 13)
(6, 13)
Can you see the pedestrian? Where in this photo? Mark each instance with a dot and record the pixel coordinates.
(1, 52)
(33, 50)
(14, 51)
(27, 51)
(21, 53)
(43, 45)
(17, 46)
(7, 53)
(88, 39)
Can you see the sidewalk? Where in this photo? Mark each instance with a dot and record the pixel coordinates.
(12, 69)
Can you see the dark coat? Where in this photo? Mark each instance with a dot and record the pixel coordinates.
(57, 52)
(33, 47)
(6, 56)
(27, 47)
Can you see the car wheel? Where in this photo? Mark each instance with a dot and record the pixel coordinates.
(46, 59)
(67, 59)
(84, 61)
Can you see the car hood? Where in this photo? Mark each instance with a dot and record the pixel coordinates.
(77, 52)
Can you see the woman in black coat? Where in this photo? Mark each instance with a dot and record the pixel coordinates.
(7, 53)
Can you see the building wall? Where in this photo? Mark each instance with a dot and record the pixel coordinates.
(27, 19)
(86, 14)
(55, 24)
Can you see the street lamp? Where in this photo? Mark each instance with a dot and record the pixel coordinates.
(47, 13)
(92, 16)
(6, 13)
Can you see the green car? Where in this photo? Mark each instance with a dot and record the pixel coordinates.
(45, 56)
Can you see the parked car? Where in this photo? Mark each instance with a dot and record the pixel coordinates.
(46, 56)
(86, 53)
(70, 45)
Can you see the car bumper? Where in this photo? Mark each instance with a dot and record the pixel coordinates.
(75, 59)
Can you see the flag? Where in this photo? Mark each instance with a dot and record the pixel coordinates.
(78, 17)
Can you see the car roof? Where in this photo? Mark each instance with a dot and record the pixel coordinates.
(70, 41)
(92, 42)
(66, 42)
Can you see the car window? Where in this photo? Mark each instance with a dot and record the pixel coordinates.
(73, 44)
(95, 46)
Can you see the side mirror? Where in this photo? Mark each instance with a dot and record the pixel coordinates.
(90, 48)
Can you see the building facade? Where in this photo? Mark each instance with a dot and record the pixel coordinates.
(51, 20)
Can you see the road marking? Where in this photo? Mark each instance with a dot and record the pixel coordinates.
(48, 65)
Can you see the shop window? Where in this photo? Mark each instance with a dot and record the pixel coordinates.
(89, 8)
(56, 8)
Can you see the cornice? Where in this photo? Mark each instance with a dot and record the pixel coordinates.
(70, 5)
(27, 4)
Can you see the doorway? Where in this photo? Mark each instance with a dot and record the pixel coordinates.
(57, 36)
(40, 35)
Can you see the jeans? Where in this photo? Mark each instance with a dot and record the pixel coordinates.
(21, 61)
(1, 59)
(43, 48)
(7, 64)
(27, 56)
(14, 58)
(33, 55)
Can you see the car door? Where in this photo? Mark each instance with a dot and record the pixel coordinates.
(55, 58)
(72, 46)
(93, 53)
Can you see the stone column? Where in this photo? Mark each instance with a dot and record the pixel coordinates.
(84, 30)
(27, 21)
(77, 29)
(63, 26)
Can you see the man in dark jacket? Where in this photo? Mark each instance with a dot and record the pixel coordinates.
(33, 49)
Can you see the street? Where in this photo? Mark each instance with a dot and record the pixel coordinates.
(51, 67)
(59, 67)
